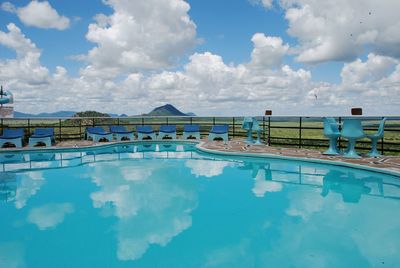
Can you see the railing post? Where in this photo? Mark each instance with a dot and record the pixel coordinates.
(167, 120)
(263, 128)
(233, 127)
(142, 121)
(93, 122)
(300, 121)
(118, 121)
(59, 129)
(340, 130)
(80, 129)
(382, 141)
(213, 120)
(29, 127)
(269, 130)
(191, 120)
(2, 124)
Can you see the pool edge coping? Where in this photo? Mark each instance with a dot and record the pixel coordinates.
(199, 146)
(304, 159)
(92, 146)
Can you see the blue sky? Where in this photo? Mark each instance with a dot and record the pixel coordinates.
(294, 56)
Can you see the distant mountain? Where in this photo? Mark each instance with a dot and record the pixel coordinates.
(165, 110)
(168, 110)
(55, 114)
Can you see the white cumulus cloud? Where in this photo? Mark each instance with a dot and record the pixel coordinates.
(268, 50)
(140, 35)
(342, 30)
(38, 14)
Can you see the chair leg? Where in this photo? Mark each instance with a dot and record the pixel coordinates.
(249, 137)
(18, 143)
(332, 150)
(351, 153)
(47, 142)
(211, 136)
(374, 151)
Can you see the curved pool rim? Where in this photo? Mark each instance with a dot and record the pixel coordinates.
(302, 159)
(199, 147)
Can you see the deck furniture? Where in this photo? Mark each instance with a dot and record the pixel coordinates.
(331, 131)
(12, 136)
(374, 139)
(251, 124)
(191, 131)
(98, 133)
(121, 133)
(41, 135)
(167, 131)
(219, 131)
(145, 132)
(352, 131)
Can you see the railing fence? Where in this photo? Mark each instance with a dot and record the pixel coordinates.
(300, 132)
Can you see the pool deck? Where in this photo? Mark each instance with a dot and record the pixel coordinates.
(389, 163)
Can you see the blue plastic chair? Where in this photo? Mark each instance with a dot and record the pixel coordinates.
(121, 132)
(167, 131)
(353, 131)
(332, 132)
(43, 135)
(219, 131)
(98, 133)
(374, 139)
(145, 131)
(191, 131)
(248, 125)
(12, 136)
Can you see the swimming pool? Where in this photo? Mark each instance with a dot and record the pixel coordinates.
(169, 205)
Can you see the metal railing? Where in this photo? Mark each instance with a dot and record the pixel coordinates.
(300, 132)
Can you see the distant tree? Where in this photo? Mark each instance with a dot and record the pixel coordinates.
(91, 114)
(88, 121)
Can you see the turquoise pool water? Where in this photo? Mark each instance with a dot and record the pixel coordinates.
(171, 206)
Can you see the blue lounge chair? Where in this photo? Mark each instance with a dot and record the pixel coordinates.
(98, 133)
(41, 135)
(332, 132)
(353, 131)
(374, 139)
(219, 131)
(167, 131)
(12, 136)
(121, 132)
(191, 131)
(145, 131)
